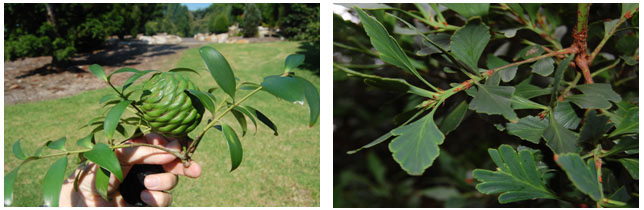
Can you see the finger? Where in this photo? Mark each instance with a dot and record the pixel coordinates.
(156, 198)
(177, 167)
(147, 155)
(162, 181)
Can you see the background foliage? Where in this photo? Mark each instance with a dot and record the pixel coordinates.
(65, 29)
(364, 112)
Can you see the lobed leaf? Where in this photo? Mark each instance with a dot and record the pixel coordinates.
(529, 128)
(516, 177)
(583, 176)
(566, 116)
(628, 122)
(594, 127)
(526, 90)
(494, 100)
(219, 69)
(415, 146)
(234, 145)
(53, 182)
(559, 139)
(469, 9)
(507, 74)
(468, 43)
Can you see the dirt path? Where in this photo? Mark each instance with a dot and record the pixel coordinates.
(31, 79)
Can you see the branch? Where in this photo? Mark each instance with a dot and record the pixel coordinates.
(580, 35)
(606, 37)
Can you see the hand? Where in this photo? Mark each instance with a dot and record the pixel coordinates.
(156, 184)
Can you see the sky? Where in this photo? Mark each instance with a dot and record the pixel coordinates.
(196, 6)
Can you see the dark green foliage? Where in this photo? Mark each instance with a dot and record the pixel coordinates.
(300, 21)
(560, 135)
(219, 24)
(252, 19)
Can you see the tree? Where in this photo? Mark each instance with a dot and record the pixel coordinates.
(301, 22)
(252, 19)
(218, 23)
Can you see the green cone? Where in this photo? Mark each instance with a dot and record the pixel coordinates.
(168, 109)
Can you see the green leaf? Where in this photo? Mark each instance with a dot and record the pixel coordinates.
(469, 42)
(312, 99)
(184, 70)
(219, 69)
(629, 7)
(559, 139)
(263, 118)
(53, 182)
(586, 101)
(507, 74)
(516, 177)
(389, 50)
(469, 9)
(442, 39)
(9, 181)
(391, 84)
(234, 145)
(601, 90)
(529, 52)
(519, 102)
(113, 117)
(543, 67)
(609, 25)
(58, 144)
(98, 71)
(372, 143)
(204, 99)
(532, 10)
(107, 98)
(583, 176)
(526, 90)
(629, 123)
(566, 116)
(625, 143)
(17, 151)
(632, 166)
(86, 141)
(122, 70)
(529, 128)
(241, 120)
(102, 182)
(594, 127)
(494, 100)
(454, 118)
(244, 111)
(416, 145)
(103, 156)
(441, 193)
(293, 61)
(284, 87)
(561, 68)
(134, 77)
(369, 6)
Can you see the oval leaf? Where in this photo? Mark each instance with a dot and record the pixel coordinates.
(184, 70)
(53, 182)
(113, 117)
(102, 155)
(241, 120)
(263, 118)
(17, 151)
(219, 69)
(205, 99)
(293, 61)
(247, 113)
(102, 182)
(58, 144)
(234, 146)
(9, 180)
(98, 71)
(312, 99)
(285, 87)
(86, 141)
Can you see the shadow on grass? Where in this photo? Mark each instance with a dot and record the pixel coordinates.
(114, 55)
(312, 52)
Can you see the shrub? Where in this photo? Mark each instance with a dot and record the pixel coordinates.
(519, 104)
(252, 19)
(219, 23)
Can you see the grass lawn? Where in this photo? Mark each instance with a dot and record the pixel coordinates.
(279, 170)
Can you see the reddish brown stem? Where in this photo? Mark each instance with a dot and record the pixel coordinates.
(580, 34)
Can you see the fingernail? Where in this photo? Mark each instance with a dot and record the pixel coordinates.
(146, 197)
(151, 181)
